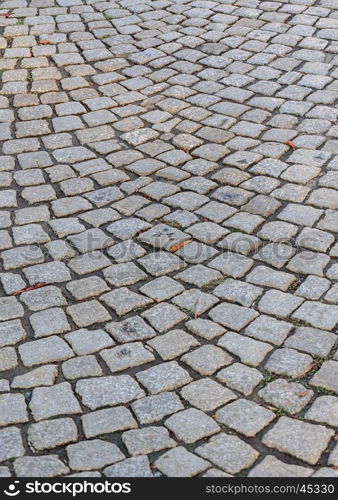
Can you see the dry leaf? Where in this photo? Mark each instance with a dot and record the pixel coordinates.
(39, 284)
(311, 367)
(44, 42)
(291, 144)
(195, 307)
(333, 467)
(176, 247)
(302, 394)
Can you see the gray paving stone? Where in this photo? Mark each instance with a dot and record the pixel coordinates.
(232, 316)
(164, 316)
(42, 466)
(207, 359)
(160, 263)
(120, 358)
(124, 300)
(12, 409)
(147, 440)
(313, 287)
(312, 341)
(180, 463)
(11, 332)
(240, 377)
(50, 272)
(250, 351)
(173, 344)
(333, 457)
(245, 417)
(93, 454)
(272, 467)
(43, 298)
(43, 351)
(264, 276)
(52, 401)
(49, 322)
(288, 396)
(204, 328)
(324, 410)
(228, 452)
(191, 425)
(288, 362)
(137, 466)
(238, 291)
(219, 203)
(299, 439)
(4, 472)
(153, 408)
(326, 376)
(88, 313)
(164, 377)
(107, 421)
(8, 358)
(84, 366)
(88, 341)
(108, 391)
(206, 394)
(319, 315)
(49, 434)
(11, 443)
(44, 375)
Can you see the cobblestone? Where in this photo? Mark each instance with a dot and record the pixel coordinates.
(168, 213)
(299, 439)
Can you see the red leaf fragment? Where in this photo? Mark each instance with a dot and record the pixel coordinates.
(302, 394)
(291, 144)
(176, 247)
(39, 284)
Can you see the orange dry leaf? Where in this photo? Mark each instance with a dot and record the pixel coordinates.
(334, 468)
(291, 144)
(302, 394)
(176, 247)
(39, 284)
(311, 367)
(44, 42)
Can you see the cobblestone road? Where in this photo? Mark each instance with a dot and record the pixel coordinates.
(169, 186)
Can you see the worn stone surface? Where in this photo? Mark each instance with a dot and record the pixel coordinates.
(228, 452)
(180, 463)
(288, 396)
(298, 439)
(168, 218)
(246, 417)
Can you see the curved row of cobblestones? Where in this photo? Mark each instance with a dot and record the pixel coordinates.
(168, 215)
